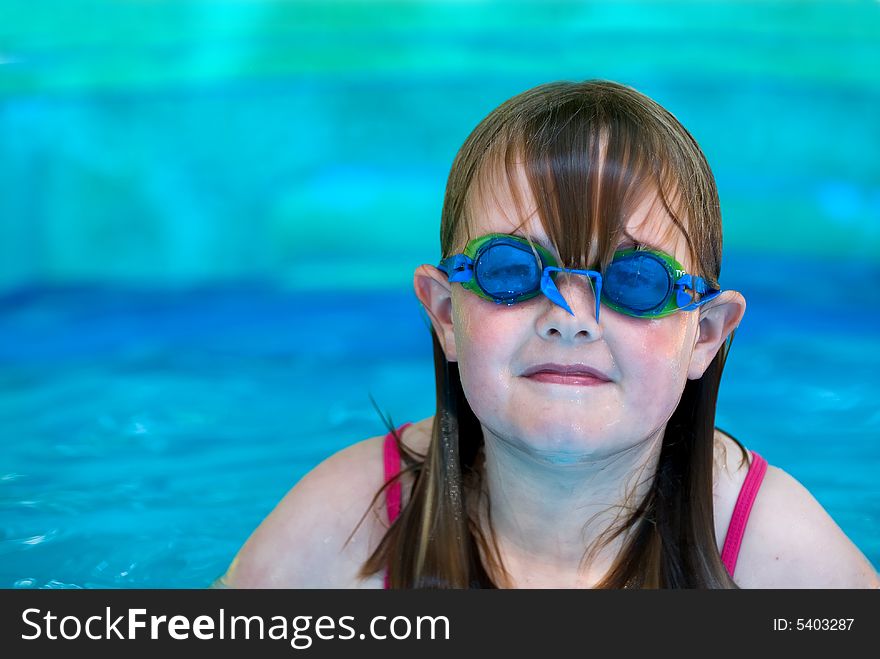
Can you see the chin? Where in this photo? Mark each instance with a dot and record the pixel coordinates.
(562, 442)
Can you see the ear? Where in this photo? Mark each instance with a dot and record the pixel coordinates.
(718, 318)
(435, 293)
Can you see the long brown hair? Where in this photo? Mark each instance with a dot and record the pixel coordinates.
(590, 152)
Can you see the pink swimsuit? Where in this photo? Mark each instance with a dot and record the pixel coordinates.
(735, 530)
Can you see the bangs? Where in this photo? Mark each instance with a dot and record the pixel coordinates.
(583, 163)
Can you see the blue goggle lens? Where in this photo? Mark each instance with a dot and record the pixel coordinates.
(639, 282)
(507, 272)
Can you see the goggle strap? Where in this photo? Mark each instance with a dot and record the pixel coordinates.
(458, 268)
(685, 300)
(713, 294)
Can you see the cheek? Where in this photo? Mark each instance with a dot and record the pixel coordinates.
(657, 361)
(664, 349)
(469, 335)
(485, 343)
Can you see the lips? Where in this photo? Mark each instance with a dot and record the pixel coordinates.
(566, 374)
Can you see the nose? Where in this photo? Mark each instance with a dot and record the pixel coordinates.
(574, 314)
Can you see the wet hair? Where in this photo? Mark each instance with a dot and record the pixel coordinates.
(589, 153)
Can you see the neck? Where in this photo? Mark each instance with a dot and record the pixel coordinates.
(547, 516)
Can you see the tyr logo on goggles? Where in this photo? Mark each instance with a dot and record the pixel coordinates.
(643, 283)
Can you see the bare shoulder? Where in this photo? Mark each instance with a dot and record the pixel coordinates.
(304, 542)
(790, 540)
(327, 525)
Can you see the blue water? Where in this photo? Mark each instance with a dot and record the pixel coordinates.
(146, 433)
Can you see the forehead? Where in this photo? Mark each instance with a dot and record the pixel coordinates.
(651, 224)
(497, 208)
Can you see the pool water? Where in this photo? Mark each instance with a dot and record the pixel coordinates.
(146, 433)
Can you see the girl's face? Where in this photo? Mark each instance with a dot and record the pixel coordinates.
(646, 362)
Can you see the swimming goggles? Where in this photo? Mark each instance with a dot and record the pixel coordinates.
(638, 282)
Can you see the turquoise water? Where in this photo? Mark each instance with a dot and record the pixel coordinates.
(147, 433)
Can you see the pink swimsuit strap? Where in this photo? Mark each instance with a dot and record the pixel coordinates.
(741, 511)
(394, 491)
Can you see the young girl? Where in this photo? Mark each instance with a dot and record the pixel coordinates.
(580, 332)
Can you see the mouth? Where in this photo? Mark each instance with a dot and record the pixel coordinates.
(579, 375)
